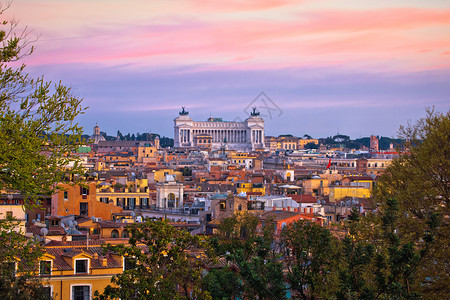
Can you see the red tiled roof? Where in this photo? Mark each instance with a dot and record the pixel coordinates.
(96, 263)
(35, 230)
(111, 224)
(303, 198)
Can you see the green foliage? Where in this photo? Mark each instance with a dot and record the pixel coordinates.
(419, 181)
(38, 136)
(251, 248)
(222, 284)
(311, 145)
(311, 257)
(357, 256)
(161, 265)
(18, 264)
(166, 142)
(38, 132)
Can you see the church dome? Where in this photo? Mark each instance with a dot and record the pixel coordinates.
(96, 137)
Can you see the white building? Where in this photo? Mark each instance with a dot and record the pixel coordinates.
(169, 194)
(247, 135)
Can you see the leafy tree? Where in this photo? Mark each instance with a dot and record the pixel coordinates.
(222, 284)
(311, 145)
(18, 264)
(251, 248)
(119, 135)
(419, 180)
(38, 132)
(358, 254)
(166, 142)
(339, 138)
(38, 135)
(160, 265)
(311, 256)
(396, 263)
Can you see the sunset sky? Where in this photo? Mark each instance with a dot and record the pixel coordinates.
(327, 66)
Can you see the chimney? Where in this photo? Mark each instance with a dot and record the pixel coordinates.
(274, 208)
(284, 208)
(95, 256)
(104, 262)
(289, 208)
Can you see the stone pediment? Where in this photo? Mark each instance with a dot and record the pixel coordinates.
(184, 126)
(256, 126)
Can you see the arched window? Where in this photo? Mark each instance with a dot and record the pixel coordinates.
(125, 234)
(115, 234)
(171, 200)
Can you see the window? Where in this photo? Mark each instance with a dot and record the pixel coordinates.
(84, 191)
(81, 292)
(171, 200)
(104, 199)
(45, 267)
(125, 234)
(115, 234)
(131, 202)
(66, 195)
(9, 214)
(144, 202)
(83, 208)
(81, 266)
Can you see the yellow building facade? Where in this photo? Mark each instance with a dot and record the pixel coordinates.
(77, 272)
(160, 175)
(252, 188)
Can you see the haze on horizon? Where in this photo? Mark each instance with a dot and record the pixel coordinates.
(347, 66)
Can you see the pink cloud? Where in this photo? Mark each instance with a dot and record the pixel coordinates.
(239, 5)
(321, 38)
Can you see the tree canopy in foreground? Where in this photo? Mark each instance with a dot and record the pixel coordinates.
(38, 131)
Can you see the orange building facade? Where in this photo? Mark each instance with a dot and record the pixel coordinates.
(79, 200)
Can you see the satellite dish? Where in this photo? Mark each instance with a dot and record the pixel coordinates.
(70, 223)
(93, 218)
(133, 214)
(44, 231)
(34, 221)
(75, 223)
(62, 225)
